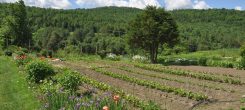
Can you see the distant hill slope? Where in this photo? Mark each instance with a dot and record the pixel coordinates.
(199, 29)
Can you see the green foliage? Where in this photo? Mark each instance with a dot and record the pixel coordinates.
(228, 58)
(222, 63)
(8, 53)
(113, 57)
(152, 28)
(69, 101)
(242, 108)
(242, 63)
(48, 86)
(140, 59)
(44, 53)
(203, 61)
(197, 75)
(102, 54)
(172, 79)
(130, 98)
(39, 70)
(69, 80)
(22, 59)
(19, 24)
(177, 61)
(197, 28)
(13, 48)
(242, 53)
(242, 100)
(154, 85)
(14, 92)
(25, 50)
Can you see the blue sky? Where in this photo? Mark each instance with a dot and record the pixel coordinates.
(226, 3)
(168, 4)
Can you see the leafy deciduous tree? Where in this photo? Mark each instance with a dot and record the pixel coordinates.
(151, 28)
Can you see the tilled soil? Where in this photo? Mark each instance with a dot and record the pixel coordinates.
(215, 70)
(165, 100)
(218, 99)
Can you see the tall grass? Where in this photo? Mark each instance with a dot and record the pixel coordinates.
(210, 54)
(14, 92)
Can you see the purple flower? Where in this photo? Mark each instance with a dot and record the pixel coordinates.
(97, 104)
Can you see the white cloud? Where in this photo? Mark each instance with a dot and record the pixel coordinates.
(178, 4)
(186, 4)
(201, 5)
(58, 4)
(169, 4)
(238, 8)
(125, 3)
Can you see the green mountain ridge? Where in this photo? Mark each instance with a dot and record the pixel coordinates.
(199, 29)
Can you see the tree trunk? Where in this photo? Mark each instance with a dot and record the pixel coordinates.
(153, 53)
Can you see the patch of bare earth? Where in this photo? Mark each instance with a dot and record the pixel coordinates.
(221, 100)
(165, 100)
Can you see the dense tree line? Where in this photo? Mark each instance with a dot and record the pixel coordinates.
(106, 28)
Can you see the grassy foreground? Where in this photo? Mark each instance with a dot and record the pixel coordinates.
(14, 92)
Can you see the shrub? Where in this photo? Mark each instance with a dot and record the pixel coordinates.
(102, 54)
(50, 53)
(69, 80)
(13, 48)
(22, 59)
(217, 63)
(49, 86)
(242, 63)
(39, 70)
(44, 53)
(8, 53)
(203, 61)
(242, 53)
(25, 50)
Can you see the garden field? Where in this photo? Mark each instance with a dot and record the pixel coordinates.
(121, 58)
(170, 87)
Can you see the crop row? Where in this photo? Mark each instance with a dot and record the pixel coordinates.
(130, 98)
(153, 85)
(171, 79)
(201, 76)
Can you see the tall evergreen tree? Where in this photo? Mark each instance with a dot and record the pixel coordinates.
(21, 31)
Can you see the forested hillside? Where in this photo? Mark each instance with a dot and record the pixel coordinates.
(93, 30)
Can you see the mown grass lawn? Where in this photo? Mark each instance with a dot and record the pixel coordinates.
(14, 92)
